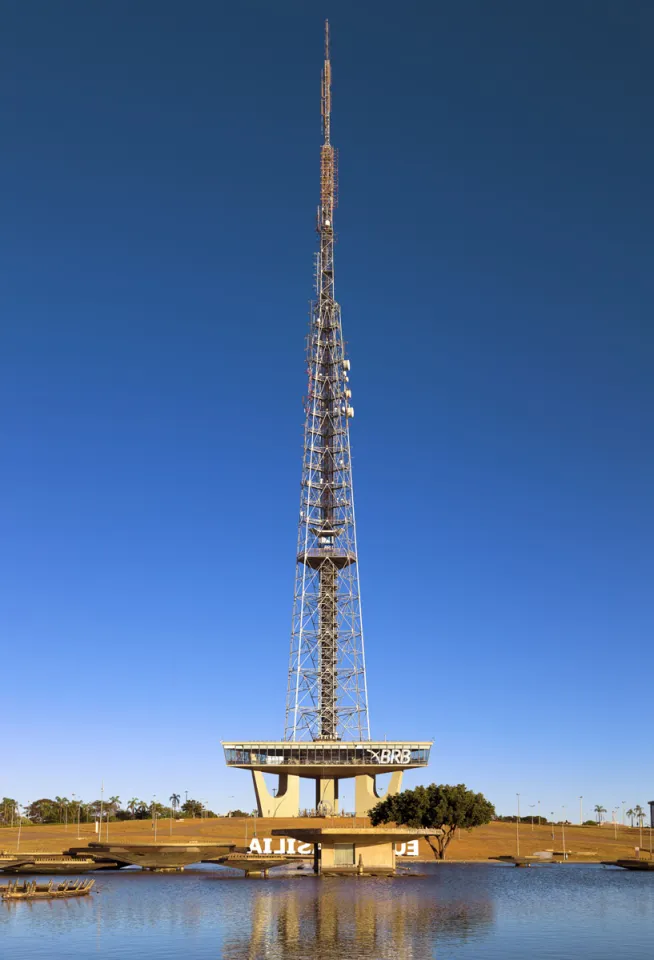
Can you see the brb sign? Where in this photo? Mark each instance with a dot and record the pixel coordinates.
(391, 756)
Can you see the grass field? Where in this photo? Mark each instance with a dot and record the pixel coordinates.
(495, 839)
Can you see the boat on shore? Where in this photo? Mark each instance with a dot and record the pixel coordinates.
(31, 890)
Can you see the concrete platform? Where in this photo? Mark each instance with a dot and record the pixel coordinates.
(631, 864)
(50, 863)
(155, 856)
(252, 864)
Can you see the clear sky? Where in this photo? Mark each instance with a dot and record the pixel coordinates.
(494, 267)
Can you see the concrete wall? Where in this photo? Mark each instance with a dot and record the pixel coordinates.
(372, 854)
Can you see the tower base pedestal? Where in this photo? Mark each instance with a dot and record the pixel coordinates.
(366, 795)
(287, 801)
(327, 795)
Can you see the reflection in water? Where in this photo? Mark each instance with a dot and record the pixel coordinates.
(383, 919)
(468, 911)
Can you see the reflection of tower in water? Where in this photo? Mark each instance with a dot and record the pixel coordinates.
(370, 921)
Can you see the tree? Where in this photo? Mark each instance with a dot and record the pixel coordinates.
(43, 811)
(639, 814)
(132, 805)
(599, 810)
(7, 808)
(445, 807)
(174, 799)
(238, 813)
(192, 808)
(631, 814)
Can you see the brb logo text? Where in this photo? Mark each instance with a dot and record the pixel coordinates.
(391, 756)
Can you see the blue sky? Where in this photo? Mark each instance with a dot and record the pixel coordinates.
(160, 172)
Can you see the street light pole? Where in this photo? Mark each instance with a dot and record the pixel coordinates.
(565, 857)
(517, 828)
(539, 813)
(20, 823)
(581, 811)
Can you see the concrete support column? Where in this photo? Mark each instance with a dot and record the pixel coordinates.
(287, 801)
(327, 793)
(366, 795)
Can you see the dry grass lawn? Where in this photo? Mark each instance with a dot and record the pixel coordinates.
(495, 839)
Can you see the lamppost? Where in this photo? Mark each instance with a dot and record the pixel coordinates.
(539, 813)
(552, 816)
(20, 823)
(565, 856)
(154, 818)
(517, 828)
(623, 803)
(531, 807)
(581, 811)
(101, 811)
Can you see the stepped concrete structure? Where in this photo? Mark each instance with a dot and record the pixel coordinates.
(327, 730)
(155, 856)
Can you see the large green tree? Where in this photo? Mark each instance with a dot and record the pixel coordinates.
(442, 806)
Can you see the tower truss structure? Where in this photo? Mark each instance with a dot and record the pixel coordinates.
(327, 730)
(327, 697)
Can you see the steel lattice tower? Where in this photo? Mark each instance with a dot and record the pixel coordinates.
(327, 697)
(327, 730)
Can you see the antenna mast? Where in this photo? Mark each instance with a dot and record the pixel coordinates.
(327, 729)
(327, 697)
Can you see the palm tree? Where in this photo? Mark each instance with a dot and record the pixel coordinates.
(639, 814)
(133, 804)
(174, 800)
(599, 810)
(631, 814)
(114, 804)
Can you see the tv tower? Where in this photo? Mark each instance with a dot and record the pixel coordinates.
(327, 730)
(327, 697)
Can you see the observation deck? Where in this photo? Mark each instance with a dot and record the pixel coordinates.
(334, 759)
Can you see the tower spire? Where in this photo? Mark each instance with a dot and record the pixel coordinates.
(327, 696)
(326, 89)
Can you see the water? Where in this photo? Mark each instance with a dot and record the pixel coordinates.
(585, 912)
